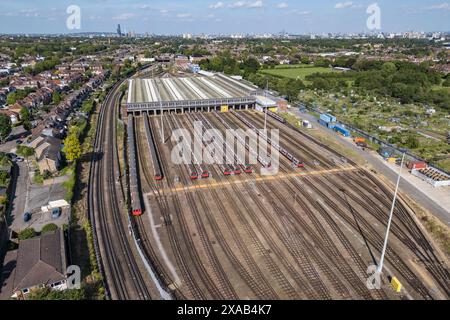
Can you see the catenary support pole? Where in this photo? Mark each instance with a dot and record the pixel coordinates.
(383, 252)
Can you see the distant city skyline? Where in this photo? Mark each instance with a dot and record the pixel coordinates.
(222, 17)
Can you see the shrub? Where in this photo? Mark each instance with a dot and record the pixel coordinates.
(49, 228)
(27, 234)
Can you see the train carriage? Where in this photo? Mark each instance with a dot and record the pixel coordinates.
(136, 206)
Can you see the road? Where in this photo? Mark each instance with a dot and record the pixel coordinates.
(377, 164)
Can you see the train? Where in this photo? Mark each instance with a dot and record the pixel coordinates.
(136, 205)
(297, 163)
(194, 175)
(157, 171)
(205, 174)
(276, 117)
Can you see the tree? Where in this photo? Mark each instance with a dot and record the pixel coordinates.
(11, 99)
(27, 233)
(325, 63)
(5, 126)
(48, 294)
(49, 228)
(389, 67)
(56, 98)
(25, 116)
(72, 148)
(446, 82)
(412, 142)
(25, 151)
(251, 65)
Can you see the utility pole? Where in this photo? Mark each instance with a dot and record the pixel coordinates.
(162, 121)
(265, 103)
(383, 252)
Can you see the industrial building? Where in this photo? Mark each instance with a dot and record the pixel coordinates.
(217, 92)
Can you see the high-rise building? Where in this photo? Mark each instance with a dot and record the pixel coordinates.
(119, 31)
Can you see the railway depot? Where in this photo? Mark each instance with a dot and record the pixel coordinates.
(214, 93)
(224, 231)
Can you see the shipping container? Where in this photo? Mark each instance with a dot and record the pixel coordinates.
(417, 165)
(332, 118)
(323, 123)
(325, 118)
(341, 130)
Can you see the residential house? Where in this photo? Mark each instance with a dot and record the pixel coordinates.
(14, 116)
(38, 263)
(47, 152)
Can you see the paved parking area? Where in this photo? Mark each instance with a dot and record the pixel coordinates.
(39, 219)
(30, 197)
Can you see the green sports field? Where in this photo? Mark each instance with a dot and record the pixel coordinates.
(296, 72)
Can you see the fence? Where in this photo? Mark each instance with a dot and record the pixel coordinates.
(408, 155)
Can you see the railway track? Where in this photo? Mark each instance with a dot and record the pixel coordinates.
(256, 281)
(403, 228)
(201, 284)
(180, 254)
(299, 256)
(148, 186)
(123, 279)
(278, 201)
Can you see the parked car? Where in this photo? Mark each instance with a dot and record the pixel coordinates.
(19, 159)
(26, 216)
(19, 141)
(56, 213)
(12, 156)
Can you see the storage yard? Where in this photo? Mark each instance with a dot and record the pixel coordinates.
(309, 232)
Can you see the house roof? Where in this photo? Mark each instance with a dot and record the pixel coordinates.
(47, 147)
(40, 260)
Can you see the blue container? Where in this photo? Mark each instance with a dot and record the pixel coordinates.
(342, 131)
(325, 118)
(332, 118)
(323, 123)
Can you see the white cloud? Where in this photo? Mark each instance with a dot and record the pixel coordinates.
(343, 5)
(217, 5)
(282, 5)
(441, 6)
(124, 16)
(246, 4)
(184, 15)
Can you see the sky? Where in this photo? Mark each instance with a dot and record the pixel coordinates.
(222, 16)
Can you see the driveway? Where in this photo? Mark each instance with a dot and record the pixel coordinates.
(20, 190)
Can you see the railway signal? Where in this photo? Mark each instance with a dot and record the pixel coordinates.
(383, 252)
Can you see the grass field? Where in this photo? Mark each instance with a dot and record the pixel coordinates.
(296, 72)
